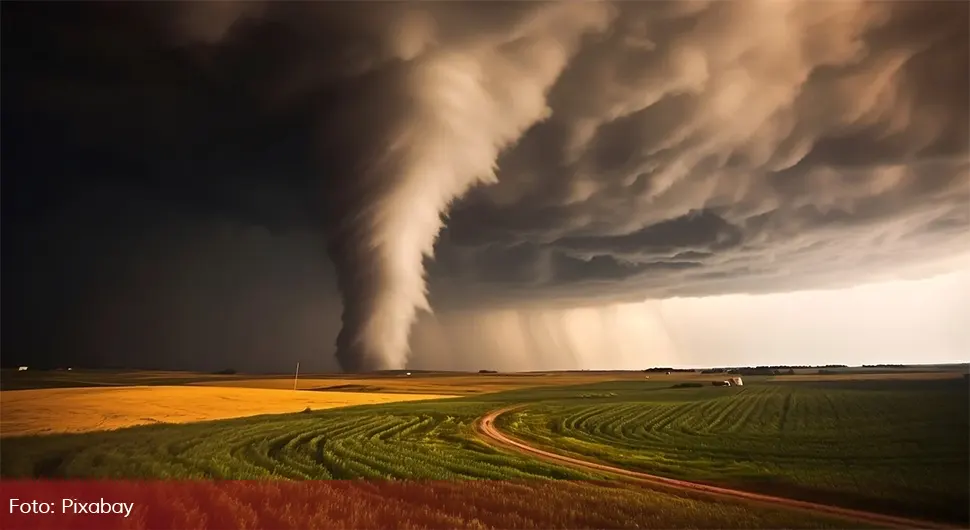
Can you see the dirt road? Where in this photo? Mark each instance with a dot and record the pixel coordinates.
(486, 426)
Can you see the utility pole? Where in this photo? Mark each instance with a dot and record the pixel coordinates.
(297, 375)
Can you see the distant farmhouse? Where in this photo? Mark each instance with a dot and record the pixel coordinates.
(734, 381)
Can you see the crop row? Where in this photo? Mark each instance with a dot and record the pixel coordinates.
(902, 449)
(879, 449)
(394, 442)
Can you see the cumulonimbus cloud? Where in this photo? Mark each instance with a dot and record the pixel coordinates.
(636, 150)
(716, 147)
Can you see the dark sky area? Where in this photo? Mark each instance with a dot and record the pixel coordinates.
(228, 184)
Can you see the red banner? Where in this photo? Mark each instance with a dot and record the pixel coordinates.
(172, 505)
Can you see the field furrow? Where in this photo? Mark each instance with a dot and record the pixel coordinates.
(853, 444)
(898, 447)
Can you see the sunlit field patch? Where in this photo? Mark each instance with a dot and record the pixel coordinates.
(71, 410)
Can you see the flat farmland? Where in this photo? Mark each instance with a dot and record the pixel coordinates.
(472, 483)
(465, 384)
(894, 445)
(35, 379)
(870, 376)
(421, 440)
(452, 383)
(65, 410)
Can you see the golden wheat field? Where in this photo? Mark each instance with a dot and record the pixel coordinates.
(63, 410)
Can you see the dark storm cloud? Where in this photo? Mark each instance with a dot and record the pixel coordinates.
(696, 231)
(822, 158)
(579, 152)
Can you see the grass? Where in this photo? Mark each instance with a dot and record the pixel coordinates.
(423, 440)
(427, 440)
(892, 446)
(88, 409)
(872, 376)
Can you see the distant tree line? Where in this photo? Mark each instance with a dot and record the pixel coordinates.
(885, 366)
(758, 370)
(681, 370)
(488, 371)
(767, 370)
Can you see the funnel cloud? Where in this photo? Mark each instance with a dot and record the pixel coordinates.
(518, 184)
(465, 104)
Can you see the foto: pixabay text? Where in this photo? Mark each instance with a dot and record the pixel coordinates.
(71, 506)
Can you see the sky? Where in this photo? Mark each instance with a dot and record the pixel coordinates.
(485, 185)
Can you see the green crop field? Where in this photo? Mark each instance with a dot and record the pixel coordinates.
(430, 440)
(888, 446)
(892, 446)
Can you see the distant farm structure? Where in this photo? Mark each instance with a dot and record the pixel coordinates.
(22, 369)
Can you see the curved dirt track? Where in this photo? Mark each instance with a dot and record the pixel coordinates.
(486, 426)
